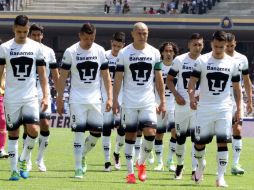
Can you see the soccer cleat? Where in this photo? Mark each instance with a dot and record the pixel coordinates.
(84, 165)
(235, 170)
(117, 161)
(14, 176)
(130, 178)
(159, 167)
(193, 175)
(107, 167)
(221, 183)
(141, 171)
(79, 174)
(151, 158)
(3, 154)
(199, 172)
(179, 172)
(29, 165)
(41, 165)
(171, 166)
(24, 173)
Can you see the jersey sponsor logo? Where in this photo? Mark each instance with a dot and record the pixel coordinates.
(217, 82)
(141, 72)
(21, 67)
(87, 71)
(141, 59)
(186, 79)
(184, 67)
(217, 69)
(19, 52)
(86, 58)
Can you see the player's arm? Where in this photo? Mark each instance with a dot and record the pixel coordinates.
(108, 86)
(159, 83)
(248, 90)
(238, 98)
(54, 69)
(41, 69)
(1, 71)
(116, 89)
(191, 92)
(170, 84)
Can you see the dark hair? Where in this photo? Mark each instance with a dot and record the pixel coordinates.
(21, 20)
(36, 27)
(220, 36)
(174, 46)
(196, 36)
(119, 37)
(230, 37)
(87, 28)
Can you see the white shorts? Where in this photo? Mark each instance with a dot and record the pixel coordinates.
(167, 123)
(213, 123)
(17, 114)
(185, 123)
(46, 114)
(133, 119)
(86, 117)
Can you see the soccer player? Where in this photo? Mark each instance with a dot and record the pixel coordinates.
(36, 34)
(109, 121)
(215, 71)
(22, 57)
(139, 63)
(87, 63)
(237, 127)
(184, 116)
(168, 51)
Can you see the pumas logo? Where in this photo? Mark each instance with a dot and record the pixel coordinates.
(87, 71)
(141, 72)
(186, 78)
(217, 82)
(21, 67)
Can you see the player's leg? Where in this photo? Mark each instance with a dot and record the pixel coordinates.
(13, 122)
(78, 118)
(129, 121)
(137, 146)
(194, 162)
(148, 124)
(223, 132)
(3, 132)
(108, 125)
(43, 138)
(30, 114)
(172, 141)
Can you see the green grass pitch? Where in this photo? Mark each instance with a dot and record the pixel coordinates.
(60, 165)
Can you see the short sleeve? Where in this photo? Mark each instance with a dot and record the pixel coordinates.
(245, 66)
(52, 60)
(236, 73)
(120, 62)
(174, 69)
(40, 61)
(2, 56)
(103, 59)
(196, 72)
(66, 60)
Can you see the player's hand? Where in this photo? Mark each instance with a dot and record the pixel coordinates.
(238, 117)
(44, 104)
(108, 105)
(115, 107)
(249, 107)
(193, 104)
(180, 100)
(161, 109)
(60, 105)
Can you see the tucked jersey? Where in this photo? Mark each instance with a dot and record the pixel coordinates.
(182, 67)
(112, 69)
(215, 79)
(50, 59)
(138, 67)
(85, 67)
(168, 94)
(21, 61)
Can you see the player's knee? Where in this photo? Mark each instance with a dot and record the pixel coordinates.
(95, 134)
(149, 138)
(181, 139)
(106, 131)
(120, 131)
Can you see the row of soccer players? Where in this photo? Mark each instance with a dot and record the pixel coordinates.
(135, 66)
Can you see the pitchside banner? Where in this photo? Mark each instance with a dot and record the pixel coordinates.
(58, 121)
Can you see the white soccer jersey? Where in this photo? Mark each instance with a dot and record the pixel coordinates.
(215, 80)
(138, 67)
(50, 59)
(21, 61)
(182, 67)
(85, 67)
(168, 94)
